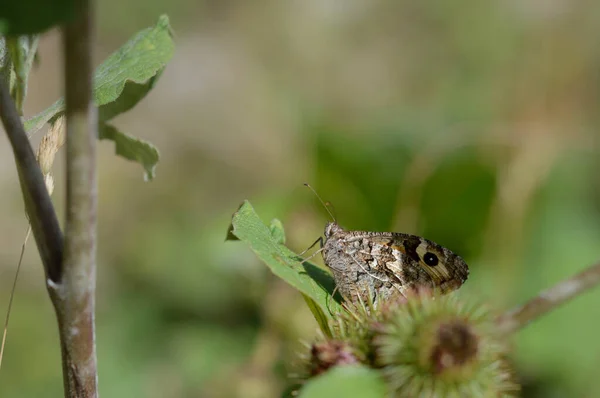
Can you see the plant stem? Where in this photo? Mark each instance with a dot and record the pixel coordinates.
(44, 224)
(549, 299)
(75, 294)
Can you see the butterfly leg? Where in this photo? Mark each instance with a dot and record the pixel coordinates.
(312, 255)
(320, 240)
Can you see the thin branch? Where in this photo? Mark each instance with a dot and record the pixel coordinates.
(75, 294)
(12, 295)
(46, 230)
(549, 299)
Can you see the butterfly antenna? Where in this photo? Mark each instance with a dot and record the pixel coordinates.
(321, 200)
(332, 208)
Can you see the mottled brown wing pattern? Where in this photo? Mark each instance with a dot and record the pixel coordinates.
(381, 265)
(422, 261)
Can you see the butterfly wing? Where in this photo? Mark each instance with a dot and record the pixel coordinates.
(418, 262)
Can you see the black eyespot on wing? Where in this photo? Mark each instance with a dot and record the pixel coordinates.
(410, 246)
(431, 259)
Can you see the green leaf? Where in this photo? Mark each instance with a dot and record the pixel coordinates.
(345, 381)
(34, 16)
(36, 122)
(319, 315)
(131, 94)
(125, 77)
(5, 62)
(131, 148)
(120, 82)
(307, 278)
(22, 50)
(132, 71)
(230, 236)
(277, 231)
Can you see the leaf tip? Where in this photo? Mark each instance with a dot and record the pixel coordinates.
(149, 173)
(231, 230)
(164, 23)
(163, 20)
(231, 234)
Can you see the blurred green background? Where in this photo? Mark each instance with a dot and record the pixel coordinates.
(472, 123)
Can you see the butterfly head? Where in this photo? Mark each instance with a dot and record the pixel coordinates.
(331, 229)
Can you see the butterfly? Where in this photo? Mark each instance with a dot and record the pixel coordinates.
(379, 266)
(375, 266)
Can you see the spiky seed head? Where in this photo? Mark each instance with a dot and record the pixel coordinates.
(326, 354)
(439, 346)
(453, 346)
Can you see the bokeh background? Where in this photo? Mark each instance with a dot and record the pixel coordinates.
(472, 123)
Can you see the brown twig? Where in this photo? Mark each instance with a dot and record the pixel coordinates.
(74, 296)
(44, 224)
(549, 299)
(49, 145)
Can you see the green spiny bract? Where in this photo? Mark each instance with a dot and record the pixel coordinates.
(425, 345)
